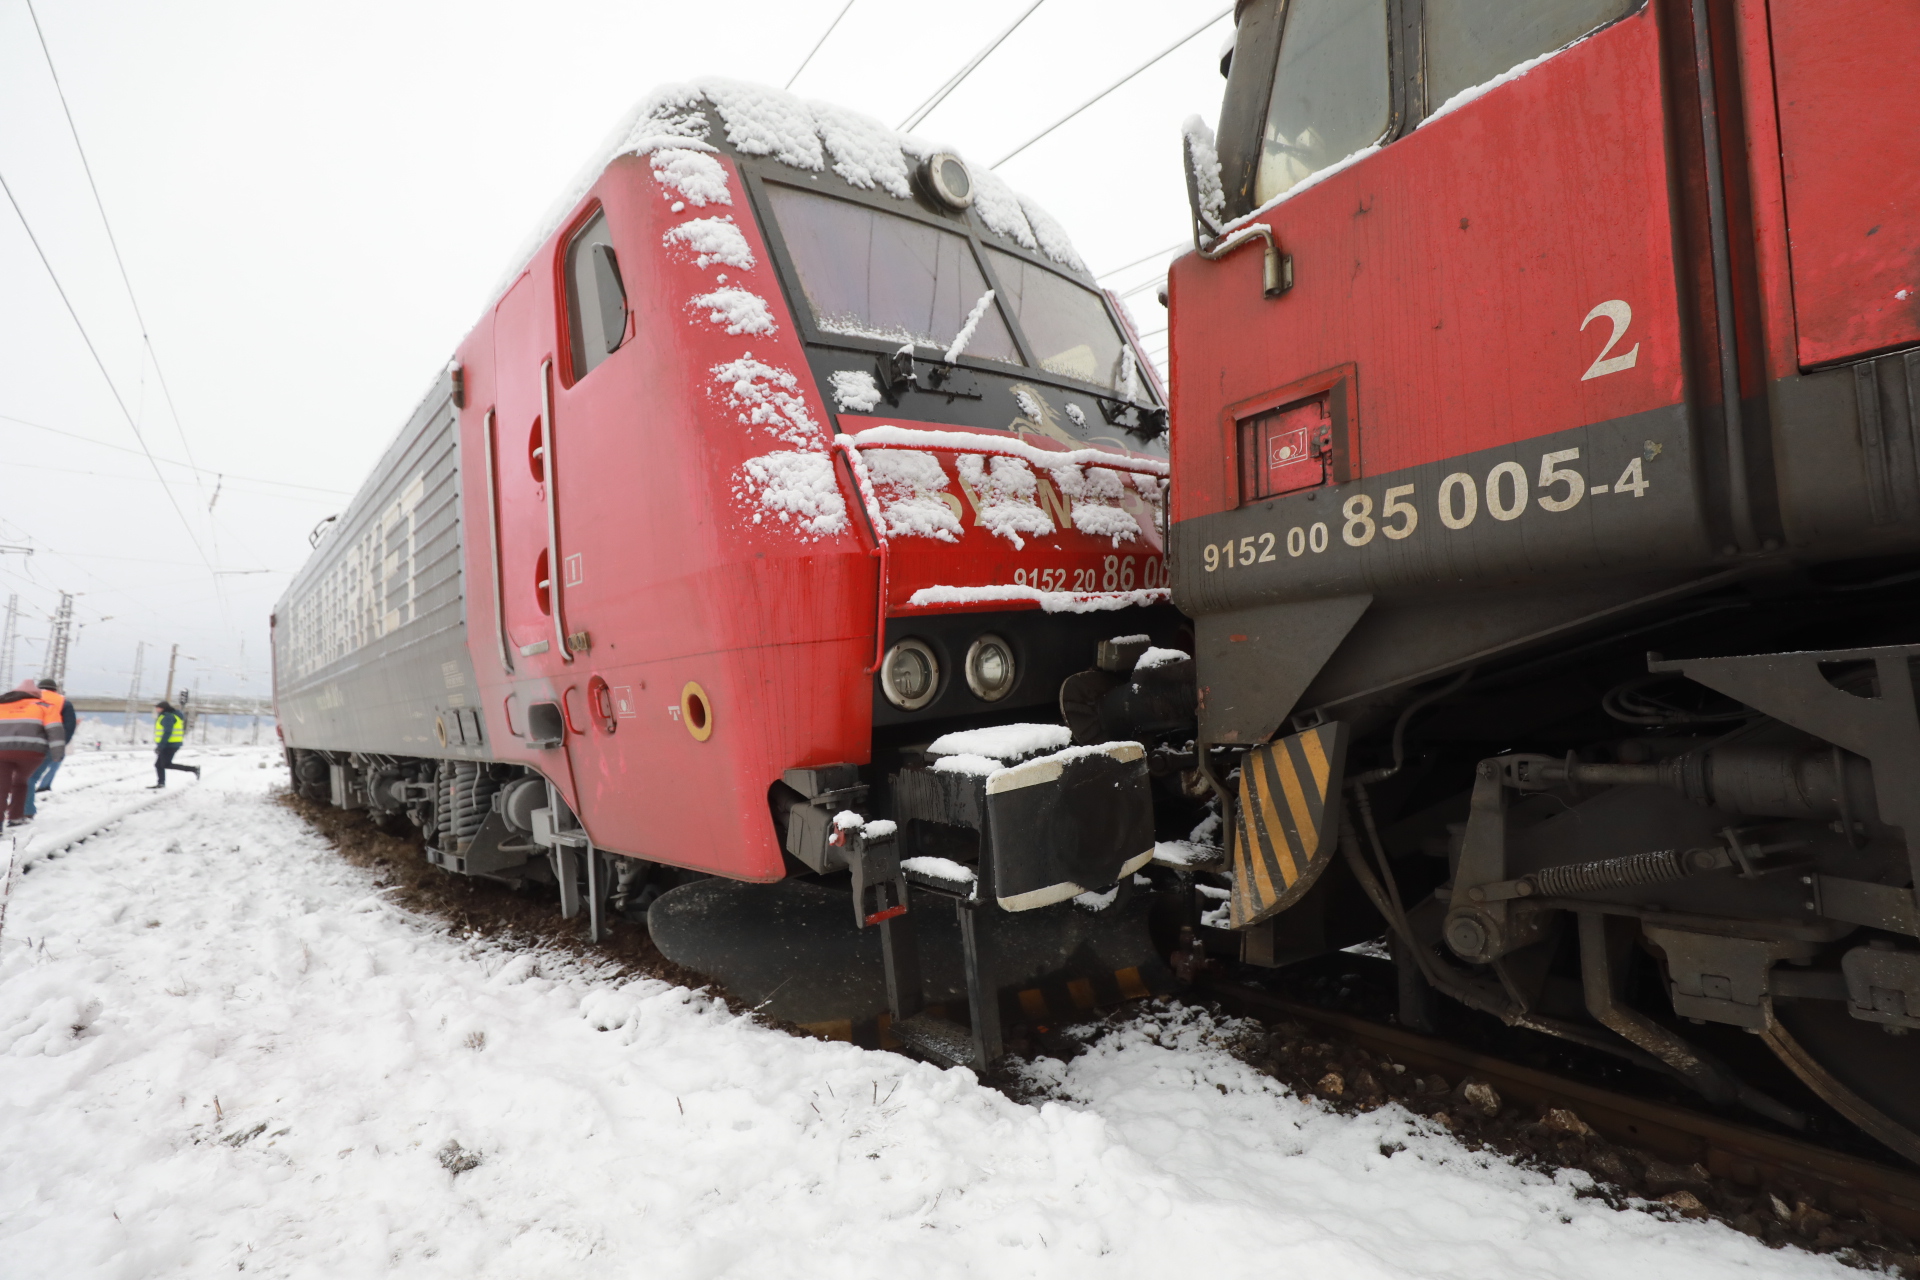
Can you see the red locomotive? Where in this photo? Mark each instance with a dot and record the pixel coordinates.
(790, 452)
(1525, 340)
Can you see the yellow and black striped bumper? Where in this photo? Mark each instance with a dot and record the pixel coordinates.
(1286, 824)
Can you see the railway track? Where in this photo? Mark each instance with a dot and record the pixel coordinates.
(1781, 1189)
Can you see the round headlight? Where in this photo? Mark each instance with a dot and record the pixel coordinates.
(946, 179)
(990, 669)
(910, 675)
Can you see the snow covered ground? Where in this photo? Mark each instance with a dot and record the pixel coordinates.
(221, 1050)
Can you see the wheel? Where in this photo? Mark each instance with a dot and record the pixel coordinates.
(1861, 1071)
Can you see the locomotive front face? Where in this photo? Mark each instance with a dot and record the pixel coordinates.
(980, 386)
(1524, 339)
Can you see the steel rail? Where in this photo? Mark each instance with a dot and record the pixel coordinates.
(1748, 1156)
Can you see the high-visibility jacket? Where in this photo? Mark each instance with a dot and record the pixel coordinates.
(64, 705)
(28, 723)
(169, 727)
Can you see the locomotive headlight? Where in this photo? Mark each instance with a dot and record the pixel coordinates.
(990, 669)
(910, 675)
(945, 178)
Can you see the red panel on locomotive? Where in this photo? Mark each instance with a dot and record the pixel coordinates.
(1522, 340)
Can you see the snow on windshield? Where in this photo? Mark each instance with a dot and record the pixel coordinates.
(872, 274)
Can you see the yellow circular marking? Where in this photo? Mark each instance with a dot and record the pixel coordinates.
(696, 711)
(440, 729)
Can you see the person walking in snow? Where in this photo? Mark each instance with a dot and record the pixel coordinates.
(169, 731)
(30, 735)
(49, 692)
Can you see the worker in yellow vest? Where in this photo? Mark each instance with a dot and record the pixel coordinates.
(169, 731)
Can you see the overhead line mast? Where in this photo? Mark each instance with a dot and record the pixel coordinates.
(60, 640)
(9, 640)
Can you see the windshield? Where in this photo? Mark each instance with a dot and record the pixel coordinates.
(872, 274)
(1067, 326)
(1330, 91)
(1469, 43)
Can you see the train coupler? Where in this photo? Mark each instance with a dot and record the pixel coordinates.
(880, 901)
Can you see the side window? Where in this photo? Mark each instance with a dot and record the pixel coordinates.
(1331, 95)
(1469, 42)
(596, 297)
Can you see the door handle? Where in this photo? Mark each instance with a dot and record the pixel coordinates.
(1276, 272)
(552, 466)
(493, 543)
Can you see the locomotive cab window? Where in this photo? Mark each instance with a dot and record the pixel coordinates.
(1331, 94)
(596, 297)
(867, 273)
(1067, 326)
(1469, 42)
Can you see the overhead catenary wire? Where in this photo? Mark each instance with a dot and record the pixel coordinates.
(817, 45)
(102, 366)
(1110, 88)
(172, 462)
(1175, 247)
(112, 241)
(146, 339)
(1142, 287)
(109, 475)
(920, 112)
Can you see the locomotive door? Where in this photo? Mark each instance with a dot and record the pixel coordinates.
(531, 600)
(1475, 321)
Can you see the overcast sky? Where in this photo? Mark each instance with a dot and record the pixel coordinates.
(314, 201)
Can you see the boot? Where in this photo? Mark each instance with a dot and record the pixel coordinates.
(196, 771)
(156, 786)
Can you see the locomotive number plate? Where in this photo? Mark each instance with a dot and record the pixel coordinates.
(1116, 573)
(1506, 493)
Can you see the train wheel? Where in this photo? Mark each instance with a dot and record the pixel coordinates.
(1861, 1071)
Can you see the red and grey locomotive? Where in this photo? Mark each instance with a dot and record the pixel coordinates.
(1546, 438)
(792, 471)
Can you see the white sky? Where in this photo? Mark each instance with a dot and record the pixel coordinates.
(313, 202)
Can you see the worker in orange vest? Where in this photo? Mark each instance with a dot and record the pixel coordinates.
(43, 777)
(30, 735)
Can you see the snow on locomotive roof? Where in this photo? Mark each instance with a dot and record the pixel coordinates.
(815, 136)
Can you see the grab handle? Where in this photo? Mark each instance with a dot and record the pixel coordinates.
(551, 465)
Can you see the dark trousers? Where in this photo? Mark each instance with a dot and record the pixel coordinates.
(16, 771)
(163, 760)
